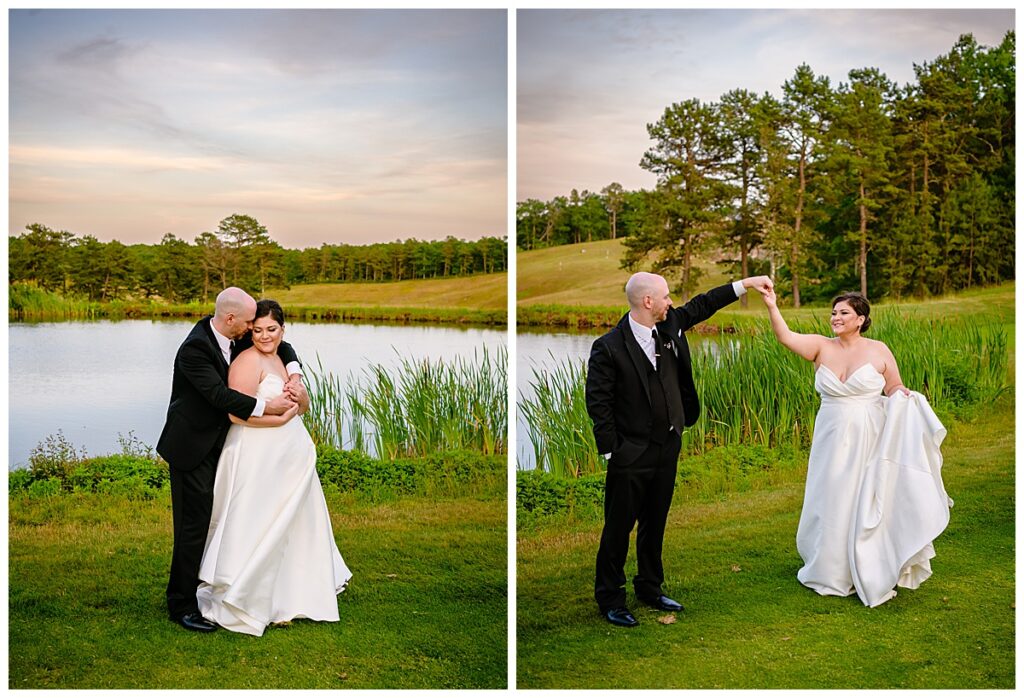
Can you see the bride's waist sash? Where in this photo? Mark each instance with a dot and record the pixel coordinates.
(870, 400)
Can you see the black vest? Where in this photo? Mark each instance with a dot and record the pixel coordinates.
(666, 401)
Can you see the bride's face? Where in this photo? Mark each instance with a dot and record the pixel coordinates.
(267, 334)
(845, 319)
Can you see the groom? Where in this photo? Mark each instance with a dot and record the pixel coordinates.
(193, 436)
(640, 394)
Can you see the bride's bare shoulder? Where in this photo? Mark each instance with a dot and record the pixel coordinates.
(247, 360)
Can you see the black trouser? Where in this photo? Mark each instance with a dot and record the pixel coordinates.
(639, 493)
(192, 504)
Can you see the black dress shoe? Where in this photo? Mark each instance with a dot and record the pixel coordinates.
(195, 621)
(664, 603)
(621, 616)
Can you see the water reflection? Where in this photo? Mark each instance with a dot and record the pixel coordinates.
(95, 380)
(537, 351)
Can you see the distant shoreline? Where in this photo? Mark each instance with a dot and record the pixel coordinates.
(119, 310)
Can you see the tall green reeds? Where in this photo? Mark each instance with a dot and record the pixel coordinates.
(754, 391)
(557, 422)
(417, 409)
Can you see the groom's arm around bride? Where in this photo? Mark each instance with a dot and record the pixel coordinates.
(193, 436)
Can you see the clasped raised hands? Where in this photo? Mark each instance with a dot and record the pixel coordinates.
(762, 284)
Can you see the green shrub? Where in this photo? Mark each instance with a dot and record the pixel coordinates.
(19, 480)
(48, 487)
(715, 472)
(53, 457)
(137, 474)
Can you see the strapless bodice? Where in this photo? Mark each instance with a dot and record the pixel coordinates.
(863, 384)
(270, 387)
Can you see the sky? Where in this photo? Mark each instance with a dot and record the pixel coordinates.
(336, 126)
(589, 81)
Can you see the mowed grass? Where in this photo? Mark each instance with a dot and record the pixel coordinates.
(750, 624)
(484, 291)
(427, 606)
(586, 274)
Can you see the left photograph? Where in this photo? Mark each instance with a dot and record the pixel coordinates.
(258, 425)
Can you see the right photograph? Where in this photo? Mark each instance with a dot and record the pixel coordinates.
(765, 347)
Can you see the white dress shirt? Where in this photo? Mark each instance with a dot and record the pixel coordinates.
(645, 338)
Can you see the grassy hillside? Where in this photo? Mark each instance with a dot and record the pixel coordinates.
(582, 286)
(487, 291)
(478, 299)
(583, 274)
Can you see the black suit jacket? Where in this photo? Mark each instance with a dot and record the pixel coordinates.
(197, 418)
(617, 392)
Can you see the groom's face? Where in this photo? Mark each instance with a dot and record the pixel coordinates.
(240, 323)
(661, 301)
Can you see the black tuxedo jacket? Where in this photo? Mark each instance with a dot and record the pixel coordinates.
(617, 392)
(197, 418)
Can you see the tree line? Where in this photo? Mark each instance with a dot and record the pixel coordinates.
(892, 190)
(239, 253)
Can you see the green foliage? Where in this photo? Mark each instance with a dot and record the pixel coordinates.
(557, 422)
(445, 473)
(755, 391)
(27, 302)
(240, 253)
(54, 457)
(417, 409)
(540, 494)
(704, 477)
(896, 191)
(43, 488)
(137, 474)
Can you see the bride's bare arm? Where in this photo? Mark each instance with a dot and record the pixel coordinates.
(807, 346)
(893, 382)
(245, 375)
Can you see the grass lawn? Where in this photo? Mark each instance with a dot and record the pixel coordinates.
(583, 285)
(427, 606)
(485, 291)
(749, 623)
(586, 274)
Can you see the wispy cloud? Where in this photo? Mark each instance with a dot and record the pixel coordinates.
(299, 113)
(590, 80)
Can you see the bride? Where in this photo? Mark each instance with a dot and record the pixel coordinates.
(874, 499)
(270, 554)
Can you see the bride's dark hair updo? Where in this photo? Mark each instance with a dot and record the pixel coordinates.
(272, 308)
(858, 302)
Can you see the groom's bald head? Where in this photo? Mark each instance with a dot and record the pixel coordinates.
(648, 297)
(643, 284)
(234, 312)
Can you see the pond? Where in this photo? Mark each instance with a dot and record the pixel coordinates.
(96, 381)
(543, 351)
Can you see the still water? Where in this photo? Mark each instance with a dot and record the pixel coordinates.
(94, 381)
(542, 351)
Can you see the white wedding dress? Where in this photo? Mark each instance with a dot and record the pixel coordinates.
(270, 554)
(874, 499)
